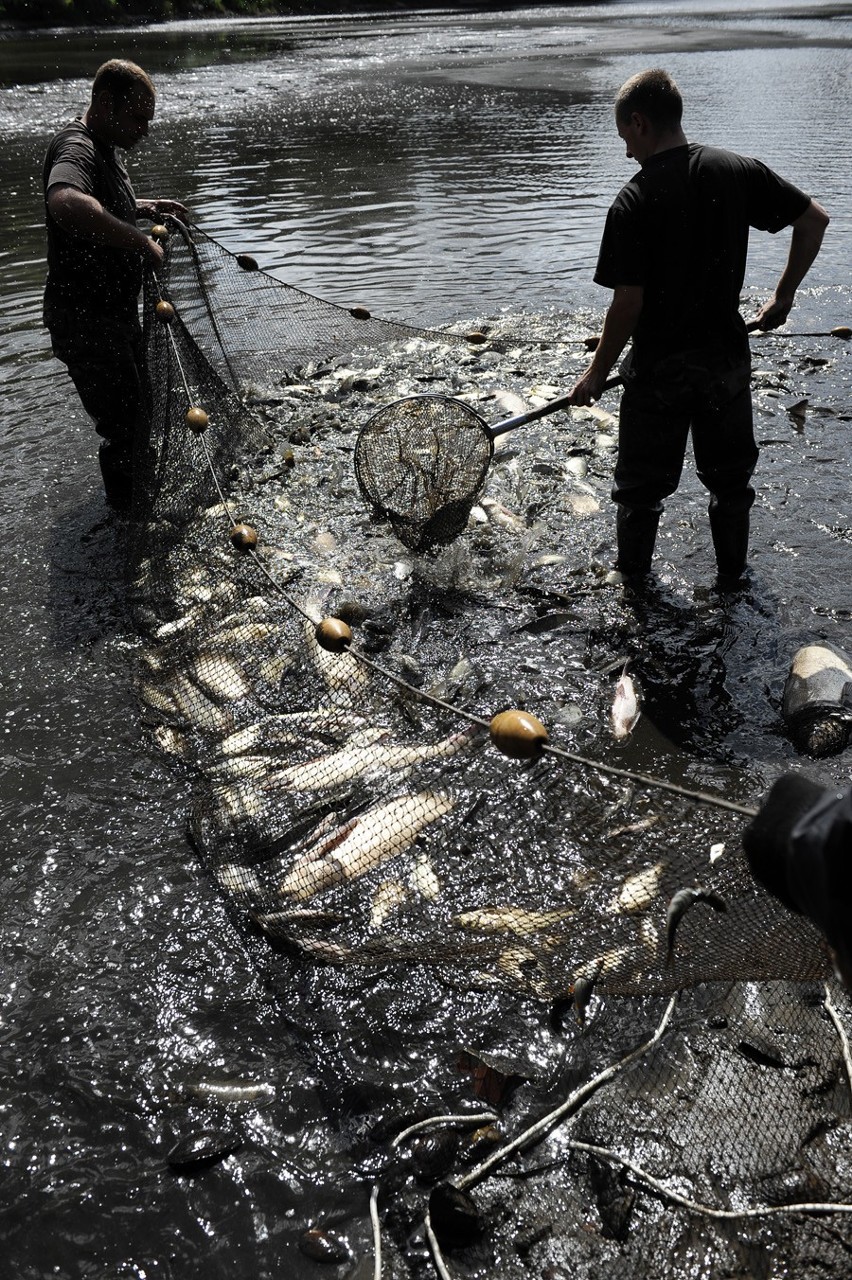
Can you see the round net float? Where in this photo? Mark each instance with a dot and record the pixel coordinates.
(360, 313)
(518, 734)
(476, 337)
(165, 311)
(159, 232)
(196, 419)
(333, 634)
(591, 344)
(247, 262)
(842, 331)
(244, 537)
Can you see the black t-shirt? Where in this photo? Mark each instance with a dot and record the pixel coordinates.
(680, 229)
(82, 275)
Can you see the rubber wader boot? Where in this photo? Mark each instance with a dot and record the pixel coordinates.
(636, 534)
(116, 470)
(729, 530)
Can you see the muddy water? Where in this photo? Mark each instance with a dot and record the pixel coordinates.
(432, 169)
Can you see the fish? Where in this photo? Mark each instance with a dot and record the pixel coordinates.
(364, 842)
(203, 1146)
(220, 676)
(230, 1090)
(582, 504)
(583, 989)
(171, 741)
(625, 708)
(523, 968)
(389, 895)
(158, 700)
(326, 772)
(290, 730)
(680, 904)
(280, 923)
(638, 891)
(632, 828)
(341, 673)
(510, 919)
(423, 879)
(502, 516)
(239, 881)
(197, 709)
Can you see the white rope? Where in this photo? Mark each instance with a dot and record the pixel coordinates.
(571, 1103)
(437, 1256)
(831, 1009)
(431, 1122)
(695, 1206)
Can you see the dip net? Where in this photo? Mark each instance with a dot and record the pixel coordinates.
(385, 860)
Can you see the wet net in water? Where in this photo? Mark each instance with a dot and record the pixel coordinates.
(351, 804)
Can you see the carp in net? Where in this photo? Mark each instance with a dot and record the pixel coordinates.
(407, 887)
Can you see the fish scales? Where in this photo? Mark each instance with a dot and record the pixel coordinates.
(364, 842)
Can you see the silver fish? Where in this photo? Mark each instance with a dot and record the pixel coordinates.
(290, 730)
(510, 919)
(341, 673)
(364, 842)
(231, 1090)
(625, 708)
(638, 891)
(680, 904)
(326, 772)
(389, 895)
(220, 677)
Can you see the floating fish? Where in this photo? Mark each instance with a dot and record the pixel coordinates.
(364, 842)
(341, 673)
(389, 895)
(511, 919)
(680, 904)
(291, 730)
(625, 708)
(327, 772)
(203, 1146)
(638, 891)
(583, 989)
(231, 1090)
(423, 879)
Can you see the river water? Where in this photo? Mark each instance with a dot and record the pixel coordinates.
(432, 167)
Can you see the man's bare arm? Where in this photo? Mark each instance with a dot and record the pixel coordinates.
(83, 215)
(621, 319)
(808, 231)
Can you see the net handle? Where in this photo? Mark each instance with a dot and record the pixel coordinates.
(561, 402)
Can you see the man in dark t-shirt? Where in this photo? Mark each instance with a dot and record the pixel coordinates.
(674, 253)
(96, 256)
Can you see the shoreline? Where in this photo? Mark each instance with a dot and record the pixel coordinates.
(212, 11)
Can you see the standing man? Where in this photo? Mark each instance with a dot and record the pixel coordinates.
(96, 256)
(674, 253)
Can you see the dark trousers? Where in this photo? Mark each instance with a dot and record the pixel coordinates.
(104, 355)
(656, 417)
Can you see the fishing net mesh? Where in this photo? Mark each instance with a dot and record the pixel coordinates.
(421, 463)
(353, 810)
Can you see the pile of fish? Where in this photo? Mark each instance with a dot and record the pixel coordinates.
(340, 811)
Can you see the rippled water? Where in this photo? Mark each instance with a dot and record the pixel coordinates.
(432, 168)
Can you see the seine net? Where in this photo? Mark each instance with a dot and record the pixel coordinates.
(351, 806)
